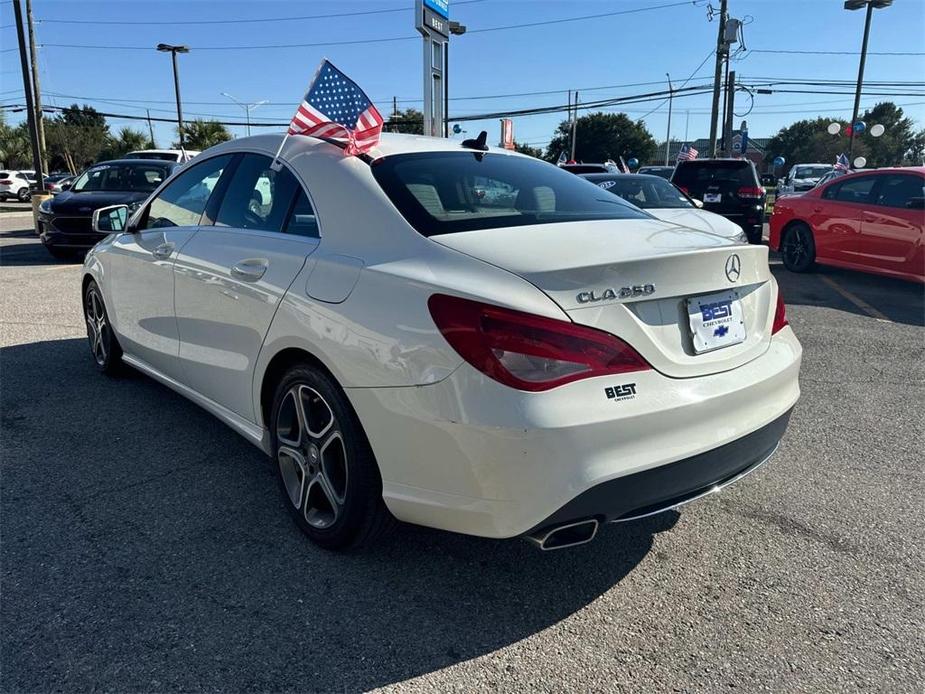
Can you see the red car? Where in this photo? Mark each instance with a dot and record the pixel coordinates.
(871, 221)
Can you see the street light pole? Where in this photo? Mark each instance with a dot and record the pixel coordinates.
(857, 5)
(173, 50)
(670, 100)
(247, 108)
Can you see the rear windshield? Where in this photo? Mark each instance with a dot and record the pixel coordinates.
(4, 174)
(811, 171)
(448, 192)
(689, 174)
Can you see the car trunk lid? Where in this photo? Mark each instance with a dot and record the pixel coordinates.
(635, 279)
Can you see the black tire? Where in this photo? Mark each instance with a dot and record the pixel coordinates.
(798, 248)
(23, 195)
(325, 467)
(107, 354)
(753, 234)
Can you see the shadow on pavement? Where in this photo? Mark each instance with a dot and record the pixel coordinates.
(897, 300)
(29, 251)
(146, 547)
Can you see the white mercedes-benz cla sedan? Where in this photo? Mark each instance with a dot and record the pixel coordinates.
(529, 363)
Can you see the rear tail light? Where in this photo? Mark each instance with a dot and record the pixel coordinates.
(5, 182)
(525, 351)
(750, 192)
(780, 314)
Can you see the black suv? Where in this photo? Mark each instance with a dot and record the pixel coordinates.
(728, 187)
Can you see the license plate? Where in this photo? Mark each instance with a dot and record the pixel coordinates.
(712, 197)
(716, 320)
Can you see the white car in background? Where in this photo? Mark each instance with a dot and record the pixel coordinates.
(526, 365)
(802, 177)
(663, 200)
(180, 156)
(16, 184)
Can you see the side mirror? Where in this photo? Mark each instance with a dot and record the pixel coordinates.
(108, 220)
(916, 203)
(698, 203)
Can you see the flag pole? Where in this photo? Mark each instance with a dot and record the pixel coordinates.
(275, 165)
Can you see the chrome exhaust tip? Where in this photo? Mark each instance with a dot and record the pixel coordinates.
(563, 536)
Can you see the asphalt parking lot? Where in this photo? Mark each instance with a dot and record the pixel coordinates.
(145, 546)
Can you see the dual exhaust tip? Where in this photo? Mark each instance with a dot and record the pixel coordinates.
(563, 536)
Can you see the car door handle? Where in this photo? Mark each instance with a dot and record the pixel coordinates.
(163, 251)
(250, 270)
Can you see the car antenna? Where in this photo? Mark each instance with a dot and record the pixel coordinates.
(478, 143)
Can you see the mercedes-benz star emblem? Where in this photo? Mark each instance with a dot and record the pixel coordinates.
(733, 267)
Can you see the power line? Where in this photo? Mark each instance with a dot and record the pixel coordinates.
(684, 84)
(186, 22)
(796, 52)
(388, 39)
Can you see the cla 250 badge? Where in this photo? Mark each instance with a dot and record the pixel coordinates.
(627, 391)
(592, 296)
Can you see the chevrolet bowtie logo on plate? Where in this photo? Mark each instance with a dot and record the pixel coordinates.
(733, 267)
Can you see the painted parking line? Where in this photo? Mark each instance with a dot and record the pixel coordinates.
(855, 299)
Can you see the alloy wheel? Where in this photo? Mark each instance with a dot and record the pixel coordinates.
(312, 456)
(796, 247)
(97, 327)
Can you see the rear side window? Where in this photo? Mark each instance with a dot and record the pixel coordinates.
(897, 190)
(855, 190)
(302, 220)
(448, 192)
(739, 173)
(257, 197)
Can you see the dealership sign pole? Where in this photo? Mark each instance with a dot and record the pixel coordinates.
(432, 19)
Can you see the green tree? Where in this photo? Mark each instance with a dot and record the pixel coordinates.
(809, 141)
(201, 134)
(128, 141)
(409, 121)
(79, 134)
(15, 145)
(527, 149)
(899, 143)
(603, 136)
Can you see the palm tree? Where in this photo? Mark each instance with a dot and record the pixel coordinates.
(202, 134)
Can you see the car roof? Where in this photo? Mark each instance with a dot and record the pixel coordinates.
(389, 144)
(621, 176)
(134, 162)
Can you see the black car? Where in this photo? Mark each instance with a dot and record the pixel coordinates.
(64, 221)
(728, 187)
(665, 172)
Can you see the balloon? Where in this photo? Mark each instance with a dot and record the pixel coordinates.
(848, 130)
(860, 126)
(860, 163)
(834, 128)
(633, 162)
(877, 130)
(779, 161)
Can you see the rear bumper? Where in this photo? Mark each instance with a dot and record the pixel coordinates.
(470, 455)
(665, 487)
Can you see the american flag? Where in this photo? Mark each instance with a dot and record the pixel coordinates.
(842, 163)
(337, 109)
(687, 153)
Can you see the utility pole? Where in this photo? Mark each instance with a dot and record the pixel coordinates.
(718, 73)
(394, 114)
(27, 88)
(574, 127)
(668, 135)
(37, 92)
(173, 50)
(150, 127)
(729, 108)
(856, 5)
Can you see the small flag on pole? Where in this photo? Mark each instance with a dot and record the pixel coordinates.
(561, 160)
(337, 109)
(687, 153)
(842, 163)
(623, 167)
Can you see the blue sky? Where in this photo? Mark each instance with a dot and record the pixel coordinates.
(628, 49)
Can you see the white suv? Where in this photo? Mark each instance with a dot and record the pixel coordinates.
(15, 184)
